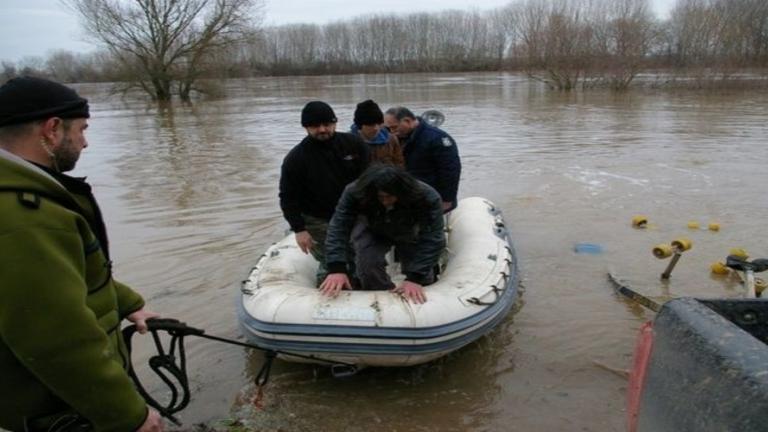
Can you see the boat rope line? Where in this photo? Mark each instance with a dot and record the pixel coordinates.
(174, 375)
(495, 288)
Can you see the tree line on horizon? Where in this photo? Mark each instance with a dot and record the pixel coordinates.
(566, 44)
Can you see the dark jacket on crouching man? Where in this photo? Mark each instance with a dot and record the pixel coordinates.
(413, 225)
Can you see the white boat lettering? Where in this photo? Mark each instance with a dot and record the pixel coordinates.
(344, 314)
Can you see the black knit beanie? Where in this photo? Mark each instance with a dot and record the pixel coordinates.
(26, 99)
(368, 113)
(316, 113)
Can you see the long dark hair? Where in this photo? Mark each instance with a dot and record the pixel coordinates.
(391, 180)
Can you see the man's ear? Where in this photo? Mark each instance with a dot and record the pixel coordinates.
(50, 127)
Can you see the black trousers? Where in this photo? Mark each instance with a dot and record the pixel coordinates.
(370, 256)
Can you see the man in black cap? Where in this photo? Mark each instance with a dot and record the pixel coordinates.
(62, 356)
(313, 176)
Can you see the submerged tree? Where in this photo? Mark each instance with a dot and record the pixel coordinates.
(554, 41)
(166, 44)
(626, 31)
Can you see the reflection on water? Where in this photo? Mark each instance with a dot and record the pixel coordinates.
(190, 196)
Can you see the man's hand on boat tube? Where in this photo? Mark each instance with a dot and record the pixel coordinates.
(305, 241)
(334, 283)
(412, 291)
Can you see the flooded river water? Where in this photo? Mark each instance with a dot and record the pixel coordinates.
(190, 198)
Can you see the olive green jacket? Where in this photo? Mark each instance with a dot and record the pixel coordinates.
(60, 310)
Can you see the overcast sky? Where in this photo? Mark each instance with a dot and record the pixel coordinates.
(36, 27)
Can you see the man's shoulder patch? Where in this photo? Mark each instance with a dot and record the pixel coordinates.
(447, 141)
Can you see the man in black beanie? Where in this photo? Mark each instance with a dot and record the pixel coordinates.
(62, 356)
(384, 146)
(313, 176)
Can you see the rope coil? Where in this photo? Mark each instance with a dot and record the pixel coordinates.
(174, 374)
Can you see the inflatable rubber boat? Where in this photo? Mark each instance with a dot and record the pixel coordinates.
(282, 310)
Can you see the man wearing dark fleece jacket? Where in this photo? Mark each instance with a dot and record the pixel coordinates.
(313, 176)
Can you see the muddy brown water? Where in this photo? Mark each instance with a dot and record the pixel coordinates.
(190, 198)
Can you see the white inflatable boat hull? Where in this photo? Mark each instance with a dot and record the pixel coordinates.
(280, 308)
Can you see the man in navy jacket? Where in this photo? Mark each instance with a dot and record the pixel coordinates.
(430, 153)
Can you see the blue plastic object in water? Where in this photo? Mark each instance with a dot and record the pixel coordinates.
(588, 248)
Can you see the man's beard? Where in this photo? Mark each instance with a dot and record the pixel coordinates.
(324, 136)
(66, 156)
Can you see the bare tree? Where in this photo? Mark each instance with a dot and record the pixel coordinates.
(31, 65)
(165, 44)
(625, 33)
(694, 28)
(501, 33)
(555, 41)
(63, 65)
(8, 70)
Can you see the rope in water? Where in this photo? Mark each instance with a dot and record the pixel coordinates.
(164, 363)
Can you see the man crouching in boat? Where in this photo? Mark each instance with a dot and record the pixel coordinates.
(62, 356)
(385, 207)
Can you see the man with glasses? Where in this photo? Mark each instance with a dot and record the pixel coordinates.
(430, 153)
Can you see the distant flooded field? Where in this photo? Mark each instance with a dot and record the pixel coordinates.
(190, 197)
